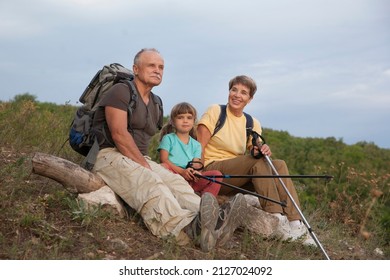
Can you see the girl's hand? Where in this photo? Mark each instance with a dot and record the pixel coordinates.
(195, 177)
(188, 174)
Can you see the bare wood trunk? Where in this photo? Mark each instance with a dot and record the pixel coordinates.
(66, 173)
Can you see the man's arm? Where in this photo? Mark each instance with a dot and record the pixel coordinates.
(117, 123)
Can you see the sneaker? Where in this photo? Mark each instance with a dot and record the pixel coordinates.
(203, 226)
(288, 231)
(283, 230)
(309, 241)
(231, 216)
(298, 231)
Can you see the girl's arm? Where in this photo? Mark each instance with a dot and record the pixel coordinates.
(185, 173)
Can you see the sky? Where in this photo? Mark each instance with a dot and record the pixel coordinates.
(322, 66)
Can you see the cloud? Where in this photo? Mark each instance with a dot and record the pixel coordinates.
(16, 21)
(90, 10)
(10, 26)
(387, 73)
(23, 19)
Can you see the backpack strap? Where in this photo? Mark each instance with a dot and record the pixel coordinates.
(249, 124)
(89, 161)
(157, 100)
(222, 119)
(133, 102)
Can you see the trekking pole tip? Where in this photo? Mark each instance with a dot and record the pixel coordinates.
(328, 178)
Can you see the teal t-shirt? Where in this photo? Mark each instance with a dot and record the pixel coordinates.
(179, 153)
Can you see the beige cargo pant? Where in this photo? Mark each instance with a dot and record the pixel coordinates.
(268, 187)
(165, 201)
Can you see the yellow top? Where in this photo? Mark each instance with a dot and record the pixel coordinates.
(230, 140)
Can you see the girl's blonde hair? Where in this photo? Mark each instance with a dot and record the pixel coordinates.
(181, 108)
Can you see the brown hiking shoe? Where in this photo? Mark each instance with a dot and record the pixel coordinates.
(231, 216)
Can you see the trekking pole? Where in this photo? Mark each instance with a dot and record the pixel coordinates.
(281, 203)
(255, 136)
(326, 177)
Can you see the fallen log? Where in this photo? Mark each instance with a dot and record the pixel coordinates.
(90, 187)
(67, 173)
(93, 190)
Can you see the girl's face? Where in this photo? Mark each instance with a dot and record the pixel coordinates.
(183, 123)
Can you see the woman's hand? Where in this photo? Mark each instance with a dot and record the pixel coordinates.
(265, 150)
(255, 152)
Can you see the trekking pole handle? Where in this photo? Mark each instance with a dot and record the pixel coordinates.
(255, 136)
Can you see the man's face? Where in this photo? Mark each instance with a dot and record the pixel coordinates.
(150, 68)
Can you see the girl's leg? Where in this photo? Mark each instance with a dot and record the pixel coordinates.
(203, 185)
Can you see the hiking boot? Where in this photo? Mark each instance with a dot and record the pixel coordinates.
(202, 228)
(231, 216)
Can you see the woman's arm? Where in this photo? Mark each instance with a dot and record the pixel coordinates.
(203, 137)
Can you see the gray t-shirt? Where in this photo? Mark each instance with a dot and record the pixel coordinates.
(144, 118)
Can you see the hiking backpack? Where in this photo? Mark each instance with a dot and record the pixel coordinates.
(81, 136)
(222, 119)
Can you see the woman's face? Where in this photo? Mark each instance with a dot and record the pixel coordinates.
(239, 97)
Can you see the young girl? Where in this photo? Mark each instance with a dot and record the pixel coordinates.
(181, 153)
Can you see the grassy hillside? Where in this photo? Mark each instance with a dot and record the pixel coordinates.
(39, 219)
